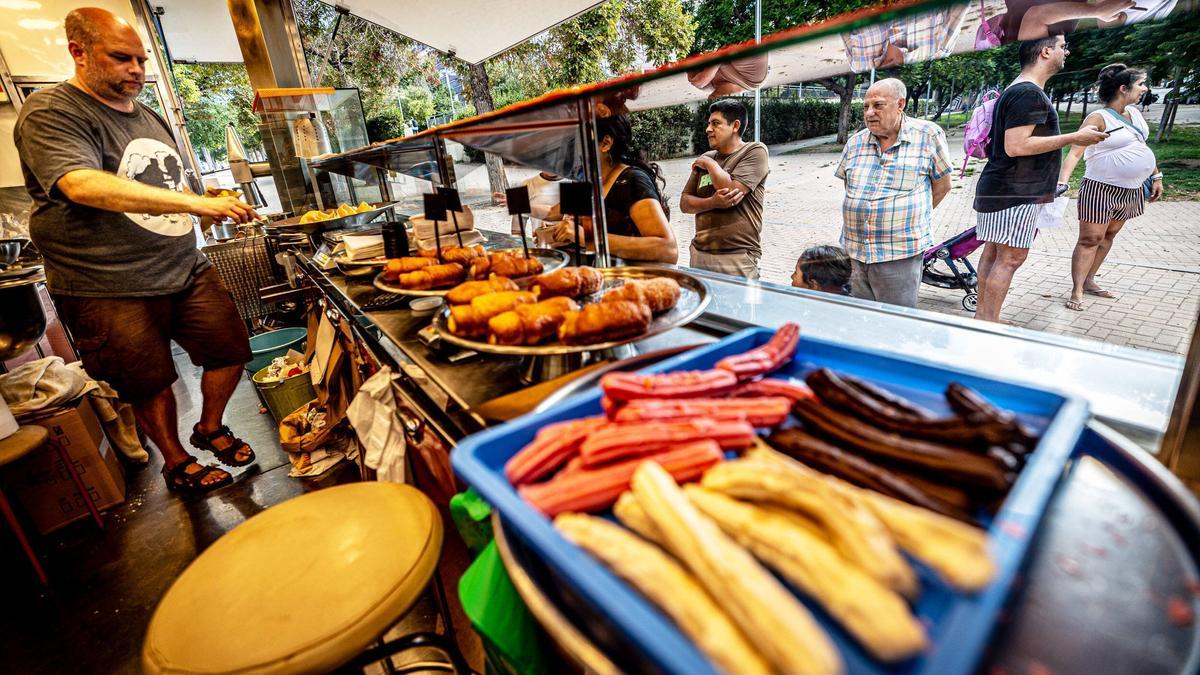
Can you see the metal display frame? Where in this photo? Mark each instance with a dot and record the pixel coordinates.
(1180, 449)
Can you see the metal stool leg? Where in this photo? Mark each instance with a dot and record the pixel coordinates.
(386, 650)
(87, 499)
(16, 528)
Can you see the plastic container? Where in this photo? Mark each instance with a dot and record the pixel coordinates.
(425, 306)
(283, 397)
(958, 625)
(267, 346)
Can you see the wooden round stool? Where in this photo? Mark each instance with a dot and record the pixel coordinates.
(24, 441)
(305, 586)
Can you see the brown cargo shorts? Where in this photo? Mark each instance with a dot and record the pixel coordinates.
(127, 341)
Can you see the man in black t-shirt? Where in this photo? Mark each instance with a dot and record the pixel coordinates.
(1023, 162)
(112, 218)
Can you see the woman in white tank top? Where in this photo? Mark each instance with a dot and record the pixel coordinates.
(1117, 167)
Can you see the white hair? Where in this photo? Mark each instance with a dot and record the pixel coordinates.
(894, 85)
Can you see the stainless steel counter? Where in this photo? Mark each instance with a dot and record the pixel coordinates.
(455, 388)
(1129, 389)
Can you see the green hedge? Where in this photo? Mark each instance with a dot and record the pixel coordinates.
(662, 133)
(785, 120)
(384, 125)
(678, 130)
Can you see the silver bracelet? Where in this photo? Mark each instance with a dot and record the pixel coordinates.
(1157, 176)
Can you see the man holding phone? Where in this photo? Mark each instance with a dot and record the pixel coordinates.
(1020, 178)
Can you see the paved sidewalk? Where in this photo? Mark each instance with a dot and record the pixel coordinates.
(1153, 268)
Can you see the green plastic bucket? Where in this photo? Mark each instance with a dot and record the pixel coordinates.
(285, 396)
(267, 346)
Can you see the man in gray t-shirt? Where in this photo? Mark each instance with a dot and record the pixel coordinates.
(725, 191)
(111, 218)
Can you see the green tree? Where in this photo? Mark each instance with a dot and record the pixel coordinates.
(612, 39)
(417, 102)
(379, 62)
(214, 95)
(725, 22)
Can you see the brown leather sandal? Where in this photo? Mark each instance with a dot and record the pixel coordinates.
(228, 456)
(178, 478)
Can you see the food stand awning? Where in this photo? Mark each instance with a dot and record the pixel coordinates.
(200, 30)
(470, 30)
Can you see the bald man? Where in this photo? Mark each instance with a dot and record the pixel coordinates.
(896, 171)
(112, 216)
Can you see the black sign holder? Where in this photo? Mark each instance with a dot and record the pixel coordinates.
(435, 210)
(576, 200)
(453, 205)
(518, 205)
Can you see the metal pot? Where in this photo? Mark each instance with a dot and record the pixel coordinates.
(22, 317)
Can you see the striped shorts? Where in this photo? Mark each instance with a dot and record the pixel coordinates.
(1015, 226)
(1101, 203)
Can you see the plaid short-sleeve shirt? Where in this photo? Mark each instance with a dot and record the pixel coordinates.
(888, 208)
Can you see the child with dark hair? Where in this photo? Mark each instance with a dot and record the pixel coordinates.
(823, 268)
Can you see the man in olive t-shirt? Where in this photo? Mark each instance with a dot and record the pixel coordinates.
(111, 219)
(725, 191)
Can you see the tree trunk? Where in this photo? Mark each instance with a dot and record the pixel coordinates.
(1070, 102)
(943, 105)
(845, 92)
(481, 95)
(1168, 115)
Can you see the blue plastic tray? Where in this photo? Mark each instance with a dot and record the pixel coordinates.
(959, 625)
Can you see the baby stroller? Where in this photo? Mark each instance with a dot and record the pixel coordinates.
(953, 252)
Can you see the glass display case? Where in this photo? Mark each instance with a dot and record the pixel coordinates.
(556, 134)
(300, 126)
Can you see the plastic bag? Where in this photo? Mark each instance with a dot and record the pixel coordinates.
(472, 519)
(306, 429)
(511, 636)
(1053, 214)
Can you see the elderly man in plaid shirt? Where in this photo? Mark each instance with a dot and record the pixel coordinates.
(911, 40)
(896, 171)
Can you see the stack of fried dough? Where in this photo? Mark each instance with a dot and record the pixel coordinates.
(703, 552)
(424, 272)
(550, 308)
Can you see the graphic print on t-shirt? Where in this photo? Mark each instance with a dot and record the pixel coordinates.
(153, 162)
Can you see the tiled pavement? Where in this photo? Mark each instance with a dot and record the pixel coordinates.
(1153, 268)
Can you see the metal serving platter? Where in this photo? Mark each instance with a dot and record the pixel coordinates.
(293, 224)
(692, 301)
(343, 261)
(551, 259)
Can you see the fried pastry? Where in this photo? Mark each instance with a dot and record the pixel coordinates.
(530, 324)
(472, 320)
(605, 321)
(568, 281)
(514, 266)
(393, 268)
(463, 254)
(467, 291)
(659, 294)
(669, 586)
(770, 617)
(433, 276)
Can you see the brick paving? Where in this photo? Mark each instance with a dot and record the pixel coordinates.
(1153, 268)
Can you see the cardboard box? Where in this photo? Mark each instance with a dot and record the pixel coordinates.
(43, 485)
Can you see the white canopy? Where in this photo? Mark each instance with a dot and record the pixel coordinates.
(472, 30)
